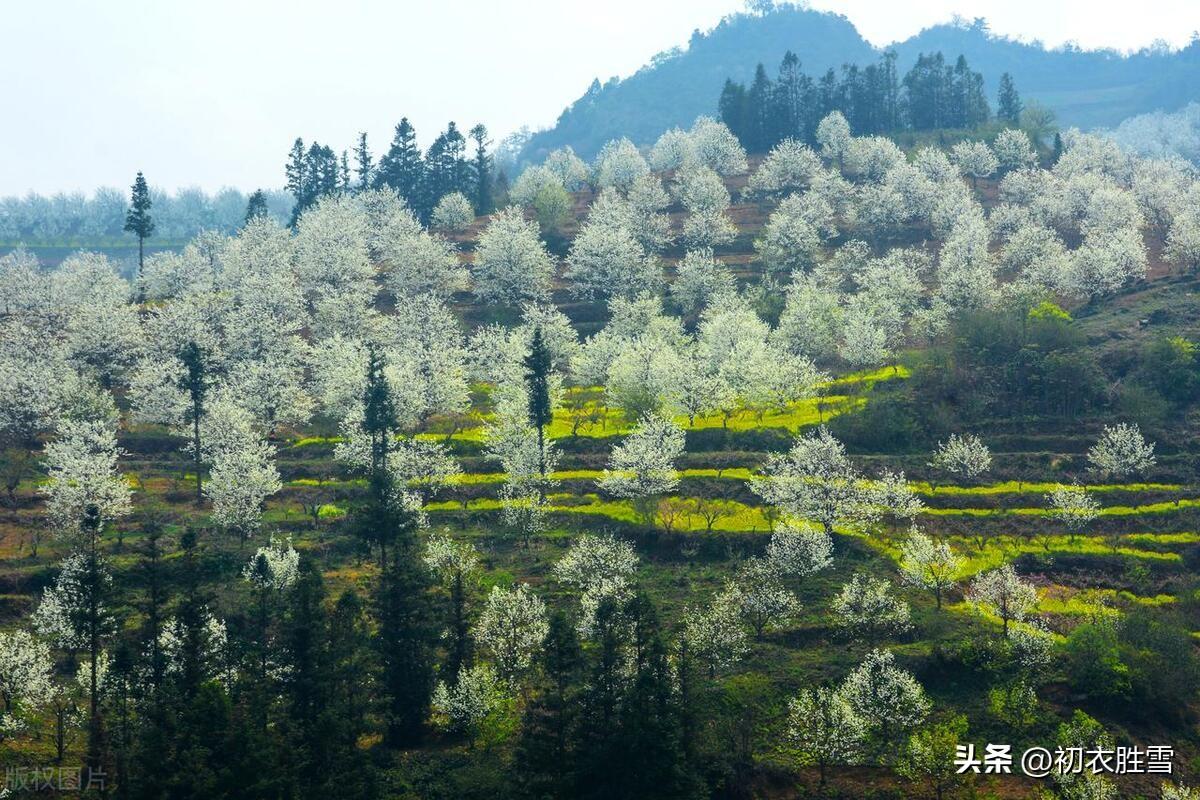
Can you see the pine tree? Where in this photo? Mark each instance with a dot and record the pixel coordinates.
(544, 757)
(653, 756)
(344, 173)
(194, 382)
(405, 636)
(1008, 101)
(353, 666)
(758, 107)
(538, 366)
(137, 219)
(482, 171)
(446, 169)
(597, 740)
(732, 109)
(366, 168)
(305, 640)
(257, 206)
(379, 412)
(296, 172)
(401, 167)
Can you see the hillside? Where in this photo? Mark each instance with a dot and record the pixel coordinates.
(1085, 88)
(259, 561)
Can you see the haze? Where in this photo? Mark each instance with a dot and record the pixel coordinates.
(213, 94)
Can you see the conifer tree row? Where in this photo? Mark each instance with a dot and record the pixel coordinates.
(873, 99)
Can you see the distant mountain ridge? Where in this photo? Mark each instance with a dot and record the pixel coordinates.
(1086, 88)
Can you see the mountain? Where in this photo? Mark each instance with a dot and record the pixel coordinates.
(1087, 88)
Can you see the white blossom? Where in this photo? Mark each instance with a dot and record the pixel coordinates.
(1121, 451)
(512, 628)
(1002, 592)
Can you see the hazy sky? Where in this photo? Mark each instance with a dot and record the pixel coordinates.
(212, 93)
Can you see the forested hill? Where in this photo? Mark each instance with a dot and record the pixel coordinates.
(1085, 88)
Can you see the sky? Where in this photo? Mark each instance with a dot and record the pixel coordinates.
(213, 93)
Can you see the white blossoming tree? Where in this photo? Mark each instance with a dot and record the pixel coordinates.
(1121, 451)
(26, 670)
(824, 729)
(642, 467)
(512, 628)
(1073, 506)
(965, 457)
(274, 566)
(463, 706)
(599, 568)
(618, 165)
(867, 609)
(929, 565)
(511, 263)
(716, 635)
(1002, 592)
(887, 698)
(453, 212)
(81, 464)
(816, 481)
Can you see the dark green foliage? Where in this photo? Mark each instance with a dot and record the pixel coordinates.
(935, 96)
(404, 642)
(544, 760)
(1094, 662)
(537, 381)
(481, 171)
(137, 219)
(1008, 101)
(256, 206)
(365, 169)
(1008, 363)
(401, 167)
(311, 175)
(630, 741)
(1164, 671)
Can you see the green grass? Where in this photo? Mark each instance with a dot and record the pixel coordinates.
(1166, 507)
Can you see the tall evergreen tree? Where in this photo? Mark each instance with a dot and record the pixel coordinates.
(137, 219)
(365, 168)
(401, 167)
(194, 382)
(94, 621)
(296, 173)
(256, 206)
(481, 167)
(650, 720)
(544, 758)
(344, 173)
(446, 169)
(538, 366)
(405, 636)
(732, 109)
(1008, 101)
(758, 107)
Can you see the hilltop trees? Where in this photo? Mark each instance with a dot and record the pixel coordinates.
(870, 99)
(1008, 101)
